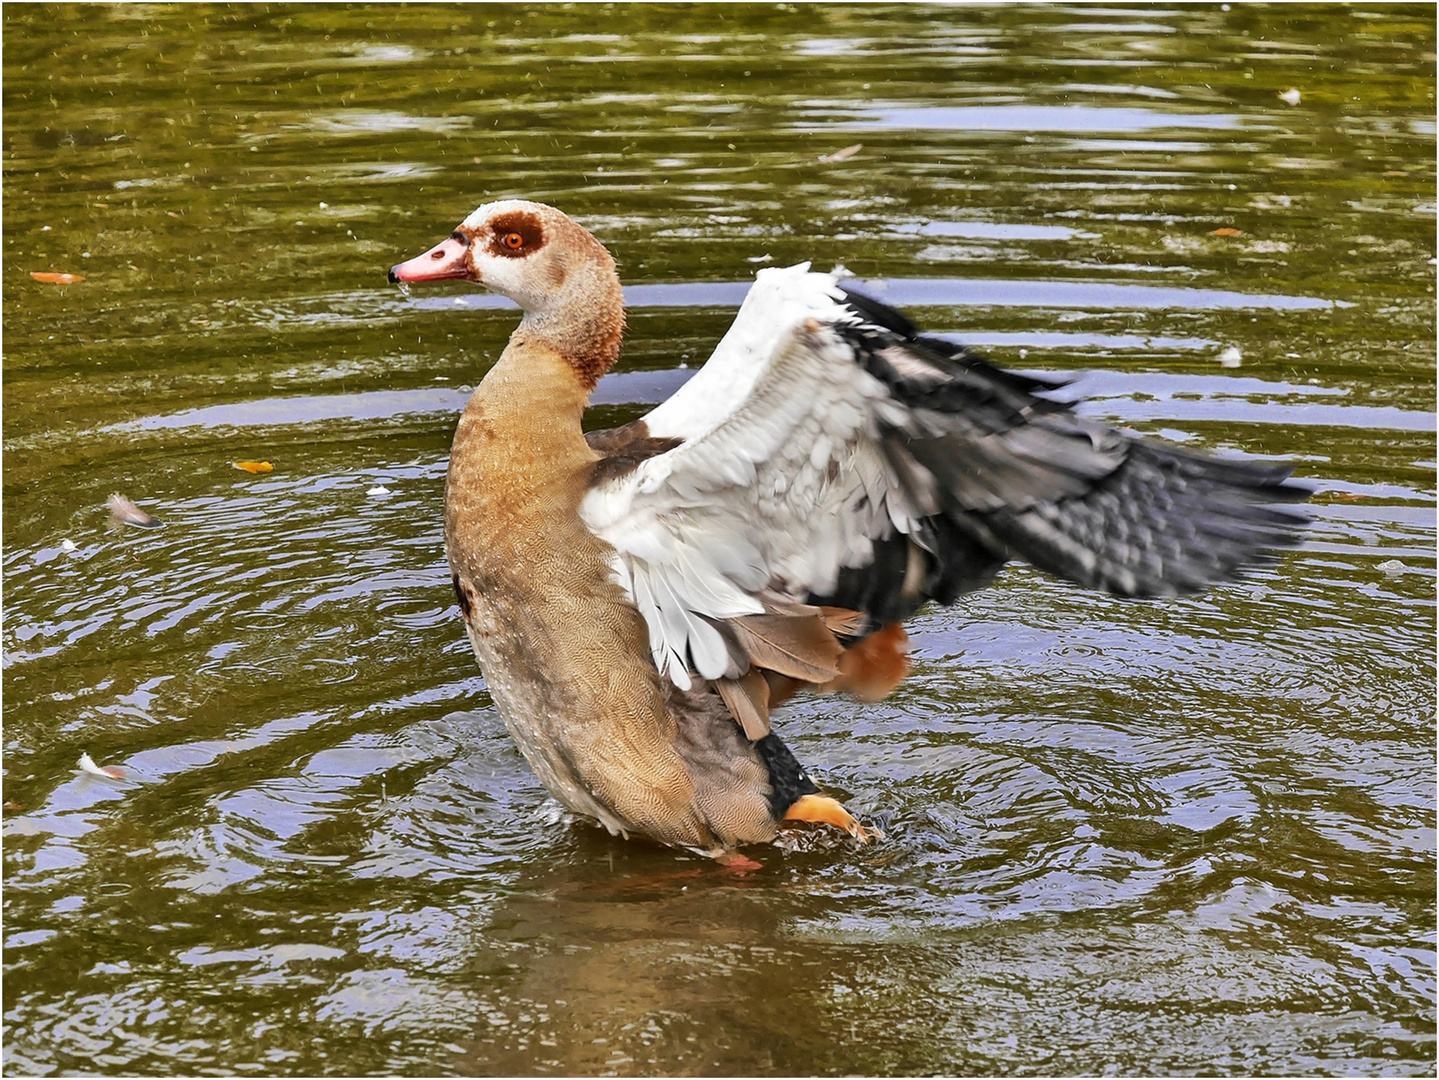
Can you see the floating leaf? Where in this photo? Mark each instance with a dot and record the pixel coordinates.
(840, 155)
(48, 277)
(1226, 231)
(123, 512)
(87, 764)
(254, 466)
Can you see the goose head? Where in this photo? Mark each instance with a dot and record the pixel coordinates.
(546, 262)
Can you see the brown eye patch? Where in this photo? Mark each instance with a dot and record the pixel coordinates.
(517, 233)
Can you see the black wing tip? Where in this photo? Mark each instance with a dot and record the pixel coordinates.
(1166, 521)
(954, 355)
(877, 311)
(1291, 491)
(1273, 480)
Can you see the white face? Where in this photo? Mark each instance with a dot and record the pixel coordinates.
(504, 246)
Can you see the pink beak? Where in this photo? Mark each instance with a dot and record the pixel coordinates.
(447, 260)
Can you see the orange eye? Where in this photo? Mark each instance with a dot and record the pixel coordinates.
(514, 241)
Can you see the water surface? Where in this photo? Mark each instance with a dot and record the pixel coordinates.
(1181, 837)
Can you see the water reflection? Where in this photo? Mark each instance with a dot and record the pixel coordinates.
(358, 122)
(1191, 837)
(1036, 118)
(1107, 394)
(993, 230)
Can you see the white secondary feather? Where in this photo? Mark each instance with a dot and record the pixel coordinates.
(779, 481)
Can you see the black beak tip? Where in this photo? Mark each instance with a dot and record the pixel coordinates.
(394, 277)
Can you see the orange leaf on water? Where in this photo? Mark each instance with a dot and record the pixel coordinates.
(254, 466)
(1226, 232)
(50, 278)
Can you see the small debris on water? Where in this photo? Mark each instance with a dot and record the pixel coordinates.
(1393, 567)
(123, 512)
(87, 764)
(46, 277)
(254, 466)
(1226, 231)
(378, 489)
(1231, 357)
(68, 545)
(840, 155)
(1290, 96)
(1272, 202)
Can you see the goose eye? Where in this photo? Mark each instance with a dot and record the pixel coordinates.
(514, 241)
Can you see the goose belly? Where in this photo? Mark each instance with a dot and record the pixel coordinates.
(547, 712)
(570, 672)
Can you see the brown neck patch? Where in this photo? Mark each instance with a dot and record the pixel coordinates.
(601, 349)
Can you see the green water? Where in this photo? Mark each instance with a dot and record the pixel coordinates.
(1181, 837)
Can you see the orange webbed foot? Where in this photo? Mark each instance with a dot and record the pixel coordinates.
(827, 811)
(738, 864)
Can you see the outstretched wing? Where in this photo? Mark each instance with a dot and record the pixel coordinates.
(828, 454)
(776, 483)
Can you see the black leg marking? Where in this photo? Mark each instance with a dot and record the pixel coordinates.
(787, 779)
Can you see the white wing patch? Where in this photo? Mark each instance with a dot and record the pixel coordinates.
(778, 485)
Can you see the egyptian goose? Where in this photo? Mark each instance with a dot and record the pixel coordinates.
(640, 599)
